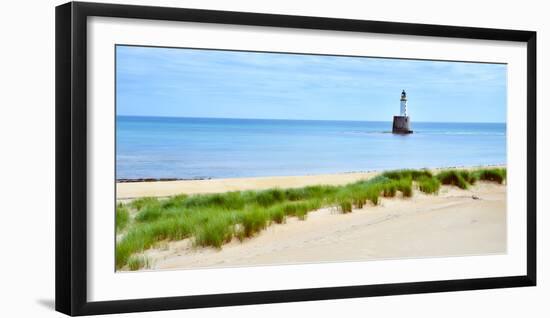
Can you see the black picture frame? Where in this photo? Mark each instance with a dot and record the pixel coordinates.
(71, 157)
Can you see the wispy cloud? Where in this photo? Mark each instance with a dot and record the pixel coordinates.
(211, 83)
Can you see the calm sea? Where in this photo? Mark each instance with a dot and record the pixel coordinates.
(191, 148)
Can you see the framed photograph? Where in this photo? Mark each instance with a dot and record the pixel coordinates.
(212, 158)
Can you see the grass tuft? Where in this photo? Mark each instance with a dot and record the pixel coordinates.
(216, 232)
(390, 190)
(407, 174)
(138, 262)
(143, 236)
(494, 175)
(253, 221)
(140, 203)
(345, 206)
(405, 186)
(270, 197)
(175, 201)
(429, 185)
(122, 217)
(149, 213)
(453, 177)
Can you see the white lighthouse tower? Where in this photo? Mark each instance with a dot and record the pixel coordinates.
(401, 123)
(404, 104)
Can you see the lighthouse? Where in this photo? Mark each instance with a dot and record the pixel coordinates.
(404, 103)
(401, 123)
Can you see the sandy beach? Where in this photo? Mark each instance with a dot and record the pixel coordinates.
(132, 190)
(454, 222)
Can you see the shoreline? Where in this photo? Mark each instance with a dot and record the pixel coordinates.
(123, 180)
(130, 189)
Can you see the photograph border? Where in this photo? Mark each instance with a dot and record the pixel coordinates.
(71, 157)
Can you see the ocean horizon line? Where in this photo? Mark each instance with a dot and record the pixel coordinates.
(289, 119)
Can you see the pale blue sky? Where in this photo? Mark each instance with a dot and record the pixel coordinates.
(226, 84)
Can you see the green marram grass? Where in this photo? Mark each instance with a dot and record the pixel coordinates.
(429, 185)
(122, 217)
(460, 178)
(495, 175)
(211, 220)
(137, 262)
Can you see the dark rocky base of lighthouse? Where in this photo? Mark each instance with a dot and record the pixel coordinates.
(401, 125)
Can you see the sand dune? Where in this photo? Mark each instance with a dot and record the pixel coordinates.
(455, 222)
